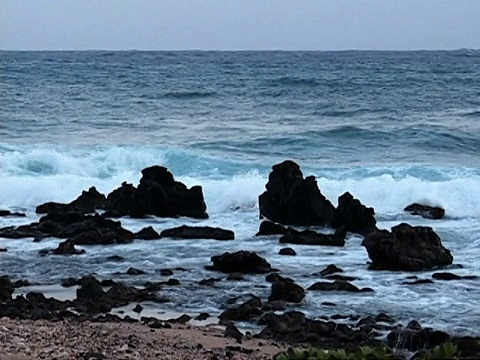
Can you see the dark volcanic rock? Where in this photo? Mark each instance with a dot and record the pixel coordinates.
(353, 215)
(116, 258)
(330, 269)
(198, 232)
(83, 229)
(147, 233)
(425, 211)
(248, 311)
(209, 281)
(64, 248)
(290, 199)
(134, 271)
(240, 262)
(157, 194)
(418, 282)
(294, 328)
(232, 332)
(310, 237)
(337, 286)
(414, 340)
(8, 213)
(287, 251)
(270, 228)
(286, 291)
(406, 248)
(6, 288)
(86, 203)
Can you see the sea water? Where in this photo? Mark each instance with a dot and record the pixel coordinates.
(392, 128)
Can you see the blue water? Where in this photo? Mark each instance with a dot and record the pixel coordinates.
(390, 127)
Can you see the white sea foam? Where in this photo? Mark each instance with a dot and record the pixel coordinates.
(32, 176)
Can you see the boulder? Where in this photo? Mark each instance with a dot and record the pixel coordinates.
(449, 276)
(198, 232)
(240, 262)
(292, 200)
(86, 203)
(425, 211)
(353, 215)
(310, 237)
(157, 194)
(286, 291)
(287, 251)
(407, 248)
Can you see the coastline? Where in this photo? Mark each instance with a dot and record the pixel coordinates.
(28, 339)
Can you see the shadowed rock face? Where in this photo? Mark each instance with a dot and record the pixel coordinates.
(157, 194)
(406, 248)
(353, 215)
(425, 211)
(290, 199)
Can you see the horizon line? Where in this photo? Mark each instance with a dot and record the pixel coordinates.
(237, 50)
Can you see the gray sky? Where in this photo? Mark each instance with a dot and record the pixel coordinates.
(239, 24)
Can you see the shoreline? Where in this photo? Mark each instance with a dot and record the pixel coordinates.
(68, 339)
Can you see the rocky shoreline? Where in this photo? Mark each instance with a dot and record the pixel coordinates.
(289, 204)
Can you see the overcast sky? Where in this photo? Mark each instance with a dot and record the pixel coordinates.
(239, 24)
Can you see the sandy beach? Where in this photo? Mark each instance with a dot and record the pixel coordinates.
(26, 339)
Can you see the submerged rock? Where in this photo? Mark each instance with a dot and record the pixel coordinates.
(310, 237)
(337, 286)
(9, 213)
(270, 228)
(292, 200)
(425, 211)
(198, 232)
(64, 248)
(408, 248)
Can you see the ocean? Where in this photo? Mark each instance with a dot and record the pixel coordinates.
(392, 128)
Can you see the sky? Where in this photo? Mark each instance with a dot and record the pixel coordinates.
(239, 24)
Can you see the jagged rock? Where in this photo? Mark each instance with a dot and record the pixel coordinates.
(147, 233)
(86, 203)
(337, 286)
(287, 251)
(425, 211)
(198, 232)
(240, 262)
(83, 229)
(157, 194)
(232, 332)
(310, 237)
(353, 215)
(406, 248)
(292, 200)
(294, 328)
